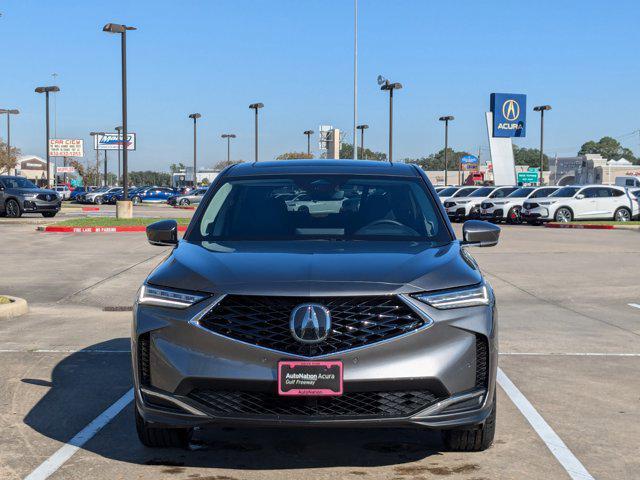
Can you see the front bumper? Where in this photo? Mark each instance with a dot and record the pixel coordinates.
(174, 361)
(492, 214)
(39, 206)
(539, 214)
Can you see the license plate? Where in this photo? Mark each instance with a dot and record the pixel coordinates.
(310, 378)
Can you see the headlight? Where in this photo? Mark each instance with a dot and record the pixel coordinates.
(30, 196)
(166, 297)
(464, 297)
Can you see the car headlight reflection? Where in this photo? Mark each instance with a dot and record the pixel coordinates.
(464, 297)
(166, 297)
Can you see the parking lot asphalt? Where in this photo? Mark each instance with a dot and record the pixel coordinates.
(569, 340)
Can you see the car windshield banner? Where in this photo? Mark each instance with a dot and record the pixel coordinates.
(114, 141)
(509, 114)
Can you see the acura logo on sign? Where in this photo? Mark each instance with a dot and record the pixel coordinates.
(310, 323)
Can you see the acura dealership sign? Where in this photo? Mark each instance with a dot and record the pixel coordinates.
(509, 114)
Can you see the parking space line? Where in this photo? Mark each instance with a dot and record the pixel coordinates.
(554, 443)
(634, 305)
(55, 461)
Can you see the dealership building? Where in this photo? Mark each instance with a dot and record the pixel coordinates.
(34, 168)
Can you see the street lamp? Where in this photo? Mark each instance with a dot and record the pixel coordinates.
(256, 107)
(446, 119)
(362, 128)
(390, 87)
(95, 143)
(308, 133)
(228, 136)
(9, 113)
(46, 91)
(541, 109)
(122, 30)
(195, 117)
(119, 129)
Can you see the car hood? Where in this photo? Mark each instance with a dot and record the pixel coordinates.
(315, 268)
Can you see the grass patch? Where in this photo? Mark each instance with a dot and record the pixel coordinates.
(114, 222)
(602, 222)
(4, 300)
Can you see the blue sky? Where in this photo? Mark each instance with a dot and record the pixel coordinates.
(216, 57)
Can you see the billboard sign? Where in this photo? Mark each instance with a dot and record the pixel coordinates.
(65, 170)
(114, 141)
(509, 114)
(66, 147)
(469, 162)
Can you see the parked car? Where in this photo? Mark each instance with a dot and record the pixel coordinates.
(469, 206)
(77, 191)
(265, 316)
(457, 192)
(509, 209)
(97, 196)
(111, 197)
(152, 195)
(19, 195)
(64, 191)
(192, 198)
(447, 192)
(583, 202)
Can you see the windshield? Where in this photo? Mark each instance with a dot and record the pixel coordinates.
(521, 193)
(565, 192)
(17, 182)
(335, 207)
(447, 192)
(464, 192)
(482, 192)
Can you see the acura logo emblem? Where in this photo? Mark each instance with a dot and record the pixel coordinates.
(511, 110)
(310, 323)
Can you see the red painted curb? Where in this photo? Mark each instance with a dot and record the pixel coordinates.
(120, 229)
(90, 209)
(586, 226)
(184, 207)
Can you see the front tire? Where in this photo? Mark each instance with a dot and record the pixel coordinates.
(563, 215)
(474, 439)
(155, 437)
(12, 209)
(622, 215)
(98, 201)
(514, 217)
(136, 200)
(184, 202)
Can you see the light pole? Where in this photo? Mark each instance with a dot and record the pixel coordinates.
(46, 91)
(308, 133)
(9, 113)
(362, 128)
(122, 30)
(541, 109)
(390, 87)
(106, 183)
(195, 117)
(446, 119)
(228, 136)
(95, 136)
(256, 107)
(119, 129)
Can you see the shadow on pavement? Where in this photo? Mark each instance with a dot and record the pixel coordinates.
(85, 383)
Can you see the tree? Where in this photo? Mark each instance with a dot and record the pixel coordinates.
(346, 151)
(293, 155)
(224, 164)
(149, 177)
(7, 162)
(529, 157)
(177, 168)
(435, 161)
(609, 148)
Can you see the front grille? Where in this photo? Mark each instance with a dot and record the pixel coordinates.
(353, 404)
(144, 365)
(47, 197)
(449, 204)
(482, 361)
(529, 206)
(355, 321)
(486, 205)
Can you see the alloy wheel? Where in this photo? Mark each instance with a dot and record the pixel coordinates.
(563, 215)
(622, 215)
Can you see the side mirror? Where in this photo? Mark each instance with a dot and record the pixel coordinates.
(477, 233)
(580, 196)
(163, 233)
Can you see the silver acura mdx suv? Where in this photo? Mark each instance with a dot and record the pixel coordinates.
(357, 307)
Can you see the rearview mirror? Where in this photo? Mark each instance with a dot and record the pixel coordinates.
(163, 233)
(476, 233)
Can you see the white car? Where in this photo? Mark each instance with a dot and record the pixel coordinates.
(459, 208)
(63, 191)
(509, 208)
(583, 202)
(96, 195)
